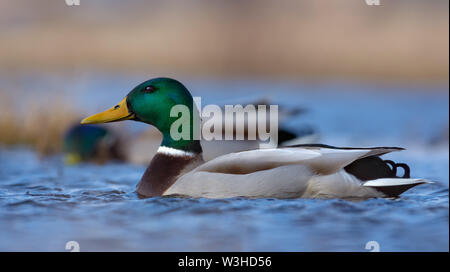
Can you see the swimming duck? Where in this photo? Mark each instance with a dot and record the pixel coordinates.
(311, 171)
(90, 144)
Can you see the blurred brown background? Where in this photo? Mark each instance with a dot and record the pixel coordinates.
(47, 49)
(400, 40)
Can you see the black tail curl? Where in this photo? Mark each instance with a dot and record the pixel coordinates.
(374, 167)
(394, 166)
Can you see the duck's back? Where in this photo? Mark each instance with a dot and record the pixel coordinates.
(313, 171)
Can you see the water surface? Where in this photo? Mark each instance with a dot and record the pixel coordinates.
(44, 204)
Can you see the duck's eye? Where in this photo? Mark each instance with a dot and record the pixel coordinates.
(149, 89)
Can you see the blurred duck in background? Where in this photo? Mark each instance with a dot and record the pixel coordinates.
(94, 144)
(304, 134)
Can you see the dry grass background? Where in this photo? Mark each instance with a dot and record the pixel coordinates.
(399, 40)
(39, 127)
(402, 40)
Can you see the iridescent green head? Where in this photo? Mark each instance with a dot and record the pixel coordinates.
(152, 102)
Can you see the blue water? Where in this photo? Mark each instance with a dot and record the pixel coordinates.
(44, 204)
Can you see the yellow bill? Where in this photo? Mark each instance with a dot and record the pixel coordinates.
(117, 113)
(72, 159)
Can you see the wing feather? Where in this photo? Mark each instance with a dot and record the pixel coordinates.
(322, 160)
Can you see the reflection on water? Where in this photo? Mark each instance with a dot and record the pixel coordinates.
(44, 204)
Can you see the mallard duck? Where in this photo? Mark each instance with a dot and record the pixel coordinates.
(90, 144)
(311, 171)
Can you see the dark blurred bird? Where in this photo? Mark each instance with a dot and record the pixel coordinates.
(91, 144)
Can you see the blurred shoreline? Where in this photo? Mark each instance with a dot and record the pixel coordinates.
(402, 40)
(37, 109)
